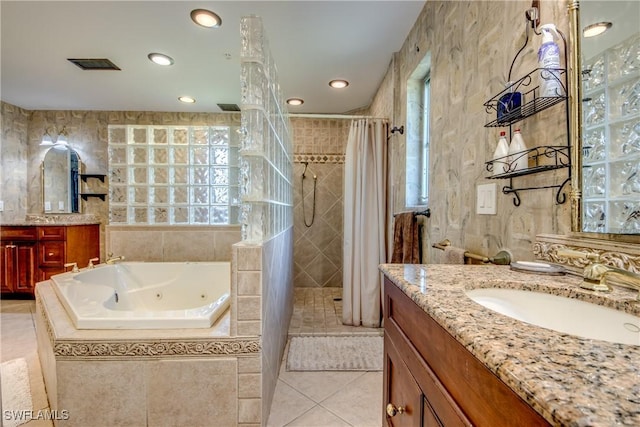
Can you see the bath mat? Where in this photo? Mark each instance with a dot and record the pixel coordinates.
(16, 392)
(337, 353)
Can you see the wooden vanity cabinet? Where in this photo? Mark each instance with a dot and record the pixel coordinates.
(437, 381)
(31, 254)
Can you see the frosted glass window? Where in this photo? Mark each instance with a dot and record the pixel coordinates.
(166, 174)
(417, 135)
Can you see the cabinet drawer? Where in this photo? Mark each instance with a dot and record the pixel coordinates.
(52, 254)
(18, 233)
(51, 233)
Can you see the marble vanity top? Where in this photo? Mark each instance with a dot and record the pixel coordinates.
(569, 380)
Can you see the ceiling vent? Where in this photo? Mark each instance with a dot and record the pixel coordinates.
(94, 64)
(229, 107)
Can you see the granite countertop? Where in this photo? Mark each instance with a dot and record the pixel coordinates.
(54, 219)
(569, 380)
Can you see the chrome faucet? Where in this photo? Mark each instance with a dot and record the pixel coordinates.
(112, 260)
(596, 274)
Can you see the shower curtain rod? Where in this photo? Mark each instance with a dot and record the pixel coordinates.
(334, 116)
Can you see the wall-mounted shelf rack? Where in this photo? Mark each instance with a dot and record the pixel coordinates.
(540, 159)
(85, 176)
(531, 102)
(101, 196)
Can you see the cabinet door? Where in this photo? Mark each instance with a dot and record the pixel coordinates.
(8, 267)
(18, 267)
(401, 392)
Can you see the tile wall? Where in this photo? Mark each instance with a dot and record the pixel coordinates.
(13, 160)
(317, 250)
(472, 45)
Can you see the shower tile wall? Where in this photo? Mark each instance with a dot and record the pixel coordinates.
(317, 250)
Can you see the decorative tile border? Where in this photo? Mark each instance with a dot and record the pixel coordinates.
(154, 348)
(319, 158)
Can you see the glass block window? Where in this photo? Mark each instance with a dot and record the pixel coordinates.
(173, 175)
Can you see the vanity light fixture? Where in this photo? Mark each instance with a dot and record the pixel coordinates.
(47, 141)
(206, 18)
(295, 101)
(160, 59)
(186, 99)
(62, 137)
(596, 29)
(338, 84)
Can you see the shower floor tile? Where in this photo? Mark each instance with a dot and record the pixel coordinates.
(318, 311)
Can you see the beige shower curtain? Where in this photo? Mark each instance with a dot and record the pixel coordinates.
(364, 245)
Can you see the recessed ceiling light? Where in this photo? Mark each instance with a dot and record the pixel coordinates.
(160, 59)
(205, 18)
(596, 29)
(338, 84)
(295, 101)
(186, 99)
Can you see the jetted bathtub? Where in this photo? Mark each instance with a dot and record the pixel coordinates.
(146, 295)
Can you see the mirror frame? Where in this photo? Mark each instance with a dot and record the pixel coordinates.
(70, 211)
(575, 131)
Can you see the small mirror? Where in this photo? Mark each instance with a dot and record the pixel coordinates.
(60, 180)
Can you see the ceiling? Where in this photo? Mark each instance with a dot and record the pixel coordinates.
(312, 43)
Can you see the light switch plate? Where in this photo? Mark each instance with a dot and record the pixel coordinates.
(1, 205)
(486, 199)
(60, 205)
(47, 206)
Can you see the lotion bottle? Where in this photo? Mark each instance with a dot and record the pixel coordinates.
(518, 157)
(501, 162)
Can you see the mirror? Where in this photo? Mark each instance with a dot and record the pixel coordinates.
(606, 137)
(60, 180)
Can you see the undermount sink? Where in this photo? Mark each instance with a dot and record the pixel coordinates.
(561, 314)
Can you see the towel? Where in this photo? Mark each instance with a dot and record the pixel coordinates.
(406, 242)
(453, 255)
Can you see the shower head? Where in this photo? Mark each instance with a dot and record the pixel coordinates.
(304, 172)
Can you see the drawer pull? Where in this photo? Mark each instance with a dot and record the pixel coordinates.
(392, 410)
(50, 254)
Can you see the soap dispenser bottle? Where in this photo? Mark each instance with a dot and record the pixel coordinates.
(518, 155)
(500, 159)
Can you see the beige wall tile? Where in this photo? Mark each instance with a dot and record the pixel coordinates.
(249, 328)
(192, 392)
(249, 257)
(188, 245)
(249, 365)
(249, 308)
(249, 283)
(249, 385)
(115, 390)
(249, 411)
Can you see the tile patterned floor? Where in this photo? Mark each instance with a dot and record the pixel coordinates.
(18, 333)
(304, 399)
(325, 398)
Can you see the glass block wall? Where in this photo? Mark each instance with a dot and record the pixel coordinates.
(611, 140)
(173, 174)
(266, 147)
